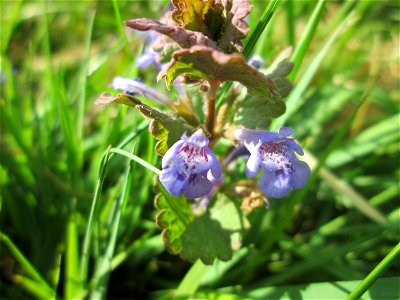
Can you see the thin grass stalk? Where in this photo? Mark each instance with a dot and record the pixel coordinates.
(295, 100)
(290, 20)
(83, 79)
(259, 29)
(25, 263)
(102, 273)
(93, 216)
(35, 288)
(305, 41)
(120, 27)
(136, 158)
(375, 273)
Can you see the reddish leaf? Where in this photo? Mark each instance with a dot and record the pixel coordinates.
(236, 27)
(185, 38)
(200, 61)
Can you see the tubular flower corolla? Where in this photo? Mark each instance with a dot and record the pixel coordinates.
(190, 167)
(275, 153)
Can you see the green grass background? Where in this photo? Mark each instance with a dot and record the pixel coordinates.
(318, 243)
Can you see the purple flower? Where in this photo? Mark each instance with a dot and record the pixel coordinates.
(190, 167)
(275, 153)
(149, 56)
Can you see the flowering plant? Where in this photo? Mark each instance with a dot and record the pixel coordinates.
(199, 43)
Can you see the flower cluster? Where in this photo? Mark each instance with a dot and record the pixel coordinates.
(200, 43)
(190, 167)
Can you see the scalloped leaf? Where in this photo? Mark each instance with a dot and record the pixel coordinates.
(173, 219)
(203, 16)
(279, 74)
(184, 38)
(210, 236)
(166, 128)
(205, 239)
(216, 233)
(215, 66)
(255, 112)
(236, 27)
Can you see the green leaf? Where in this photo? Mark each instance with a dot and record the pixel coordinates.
(215, 66)
(231, 217)
(214, 234)
(256, 112)
(205, 238)
(174, 217)
(202, 16)
(166, 128)
(124, 99)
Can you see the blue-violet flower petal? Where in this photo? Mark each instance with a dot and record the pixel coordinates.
(190, 167)
(275, 153)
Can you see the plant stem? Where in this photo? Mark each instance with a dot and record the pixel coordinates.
(375, 273)
(210, 106)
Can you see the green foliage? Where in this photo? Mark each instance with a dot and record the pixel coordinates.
(218, 67)
(174, 217)
(203, 16)
(256, 112)
(53, 138)
(207, 237)
(165, 127)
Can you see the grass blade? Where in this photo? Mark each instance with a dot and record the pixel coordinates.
(304, 43)
(375, 273)
(83, 81)
(26, 265)
(294, 101)
(192, 280)
(386, 288)
(290, 19)
(135, 158)
(92, 217)
(9, 21)
(262, 23)
(378, 135)
(35, 288)
(344, 188)
(104, 266)
(72, 276)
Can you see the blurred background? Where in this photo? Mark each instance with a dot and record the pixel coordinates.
(57, 57)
